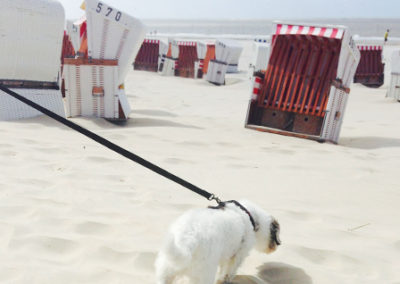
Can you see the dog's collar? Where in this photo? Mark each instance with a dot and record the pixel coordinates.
(222, 204)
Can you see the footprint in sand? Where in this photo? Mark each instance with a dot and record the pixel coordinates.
(176, 161)
(2, 146)
(92, 228)
(321, 256)
(247, 279)
(286, 152)
(241, 166)
(335, 260)
(145, 260)
(8, 153)
(193, 144)
(281, 273)
(227, 144)
(99, 160)
(109, 255)
(397, 245)
(302, 216)
(10, 212)
(44, 244)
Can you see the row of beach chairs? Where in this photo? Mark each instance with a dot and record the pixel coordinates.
(190, 59)
(301, 74)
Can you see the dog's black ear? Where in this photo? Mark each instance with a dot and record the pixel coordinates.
(275, 230)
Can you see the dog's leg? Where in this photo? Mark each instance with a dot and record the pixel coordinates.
(203, 274)
(229, 269)
(165, 273)
(166, 276)
(168, 279)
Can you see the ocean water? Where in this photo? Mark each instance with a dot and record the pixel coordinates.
(362, 27)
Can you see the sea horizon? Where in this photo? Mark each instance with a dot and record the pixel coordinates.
(368, 27)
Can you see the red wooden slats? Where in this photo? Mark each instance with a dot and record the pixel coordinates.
(312, 68)
(370, 69)
(147, 57)
(293, 76)
(302, 70)
(295, 56)
(282, 44)
(327, 85)
(299, 74)
(186, 61)
(271, 66)
(156, 48)
(278, 95)
(315, 80)
(370, 62)
(321, 76)
(277, 74)
(327, 66)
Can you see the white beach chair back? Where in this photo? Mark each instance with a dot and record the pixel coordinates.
(395, 59)
(260, 57)
(163, 50)
(175, 49)
(201, 49)
(31, 35)
(31, 40)
(73, 32)
(113, 35)
(394, 87)
(226, 51)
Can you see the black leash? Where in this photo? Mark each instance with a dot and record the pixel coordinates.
(113, 146)
(222, 204)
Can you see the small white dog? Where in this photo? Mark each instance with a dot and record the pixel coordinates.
(203, 241)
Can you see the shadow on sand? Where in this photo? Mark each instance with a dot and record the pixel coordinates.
(152, 122)
(369, 142)
(154, 112)
(275, 273)
(106, 124)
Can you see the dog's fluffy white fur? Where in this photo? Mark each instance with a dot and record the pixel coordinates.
(204, 241)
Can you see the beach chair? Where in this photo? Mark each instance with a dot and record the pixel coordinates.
(225, 50)
(199, 63)
(370, 71)
(32, 40)
(233, 61)
(151, 54)
(394, 87)
(187, 56)
(169, 64)
(305, 88)
(260, 57)
(95, 83)
(210, 55)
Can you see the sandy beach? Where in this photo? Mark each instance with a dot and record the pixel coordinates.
(72, 211)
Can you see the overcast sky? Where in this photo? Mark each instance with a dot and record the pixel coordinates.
(247, 9)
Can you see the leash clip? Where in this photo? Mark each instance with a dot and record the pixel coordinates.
(213, 197)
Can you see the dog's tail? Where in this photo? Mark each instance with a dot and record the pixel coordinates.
(177, 251)
(172, 260)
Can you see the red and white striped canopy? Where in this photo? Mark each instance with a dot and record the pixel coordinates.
(370, 47)
(151, 41)
(186, 43)
(328, 32)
